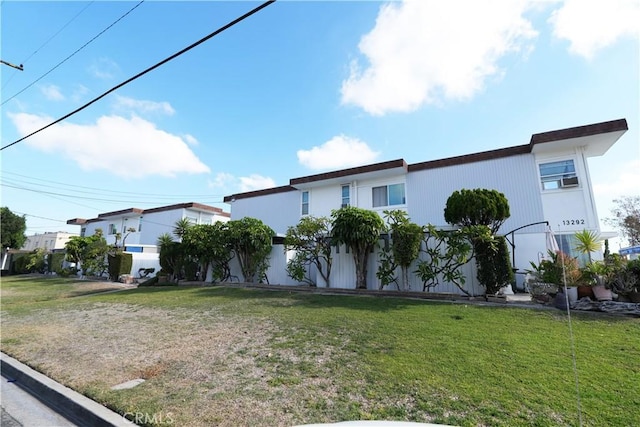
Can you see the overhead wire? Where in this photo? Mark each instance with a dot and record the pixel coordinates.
(77, 50)
(75, 196)
(142, 73)
(93, 190)
(24, 61)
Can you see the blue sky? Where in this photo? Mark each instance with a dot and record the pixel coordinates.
(299, 88)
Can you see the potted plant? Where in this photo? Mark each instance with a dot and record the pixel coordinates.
(597, 274)
(550, 276)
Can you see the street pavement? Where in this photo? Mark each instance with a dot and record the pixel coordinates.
(21, 409)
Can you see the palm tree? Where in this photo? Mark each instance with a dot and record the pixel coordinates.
(180, 227)
(587, 241)
(164, 239)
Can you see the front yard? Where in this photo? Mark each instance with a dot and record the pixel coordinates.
(239, 357)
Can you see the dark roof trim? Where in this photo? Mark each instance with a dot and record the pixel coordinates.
(137, 211)
(256, 193)
(471, 158)
(76, 221)
(121, 212)
(399, 163)
(190, 205)
(580, 131)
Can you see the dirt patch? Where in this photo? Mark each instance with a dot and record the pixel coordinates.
(202, 368)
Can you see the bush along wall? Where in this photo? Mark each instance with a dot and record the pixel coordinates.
(494, 265)
(119, 263)
(54, 262)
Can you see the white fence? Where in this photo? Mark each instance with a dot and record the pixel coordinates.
(343, 273)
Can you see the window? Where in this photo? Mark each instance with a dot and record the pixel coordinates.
(388, 195)
(553, 174)
(140, 224)
(305, 203)
(83, 230)
(192, 219)
(112, 229)
(346, 199)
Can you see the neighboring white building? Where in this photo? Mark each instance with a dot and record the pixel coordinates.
(147, 224)
(546, 180)
(48, 241)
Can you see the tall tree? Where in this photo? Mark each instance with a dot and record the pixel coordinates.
(250, 239)
(359, 229)
(312, 244)
(88, 252)
(477, 207)
(13, 228)
(626, 217)
(406, 238)
(209, 245)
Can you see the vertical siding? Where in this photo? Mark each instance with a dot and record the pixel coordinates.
(515, 176)
(278, 211)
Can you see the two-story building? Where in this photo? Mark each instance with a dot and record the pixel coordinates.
(139, 229)
(49, 241)
(546, 182)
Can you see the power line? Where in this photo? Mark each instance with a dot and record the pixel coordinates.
(77, 50)
(75, 196)
(164, 61)
(40, 217)
(93, 190)
(24, 61)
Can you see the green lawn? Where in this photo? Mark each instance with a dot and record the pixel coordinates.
(237, 357)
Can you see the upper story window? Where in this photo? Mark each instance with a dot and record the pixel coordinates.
(388, 195)
(554, 175)
(192, 219)
(305, 203)
(346, 195)
(112, 229)
(83, 230)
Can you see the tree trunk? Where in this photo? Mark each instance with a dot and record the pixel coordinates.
(361, 258)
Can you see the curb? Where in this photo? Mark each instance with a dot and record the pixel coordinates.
(68, 403)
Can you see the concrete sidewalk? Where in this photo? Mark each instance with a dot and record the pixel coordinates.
(70, 407)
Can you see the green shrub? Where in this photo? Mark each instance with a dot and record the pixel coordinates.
(119, 263)
(19, 264)
(494, 265)
(55, 261)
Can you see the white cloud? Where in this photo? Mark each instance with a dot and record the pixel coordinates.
(125, 147)
(143, 106)
(222, 180)
(339, 152)
(52, 92)
(427, 51)
(591, 25)
(104, 68)
(230, 183)
(255, 182)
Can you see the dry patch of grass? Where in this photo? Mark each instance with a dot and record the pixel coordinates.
(203, 369)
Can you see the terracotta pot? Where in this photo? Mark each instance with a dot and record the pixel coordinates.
(585, 291)
(601, 293)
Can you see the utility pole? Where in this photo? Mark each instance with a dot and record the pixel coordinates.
(17, 67)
